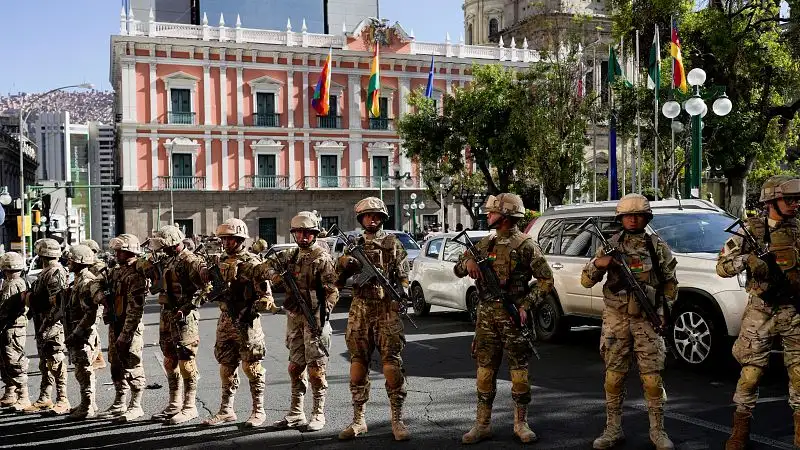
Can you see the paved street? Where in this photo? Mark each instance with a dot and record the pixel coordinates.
(567, 410)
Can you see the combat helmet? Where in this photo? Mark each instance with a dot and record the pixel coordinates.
(92, 244)
(634, 204)
(509, 205)
(170, 236)
(779, 186)
(371, 205)
(259, 245)
(48, 248)
(233, 227)
(189, 244)
(11, 261)
(304, 220)
(126, 242)
(82, 254)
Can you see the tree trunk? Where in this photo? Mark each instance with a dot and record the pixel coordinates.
(736, 192)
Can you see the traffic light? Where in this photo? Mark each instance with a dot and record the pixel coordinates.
(70, 190)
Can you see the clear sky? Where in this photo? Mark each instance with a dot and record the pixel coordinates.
(52, 43)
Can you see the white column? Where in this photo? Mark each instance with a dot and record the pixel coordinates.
(154, 160)
(290, 98)
(207, 95)
(405, 91)
(225, 178)
(356, 149)
(153, 94)
(306, 157)
(239, 98)
(129, 182)
(223, 95)
(306, 102)
(240, 173)
(209, 174)
(290, 155)
(132, 90)
(126, 100)
(354, 105)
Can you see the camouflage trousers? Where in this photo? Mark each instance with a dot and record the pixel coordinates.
(51, 350)
(126, 365)
(178, 342)
(304, 348)
(13, 362)
(761, 325)
(234, 346)
(371, 325)
(82, 354)
(623, 334)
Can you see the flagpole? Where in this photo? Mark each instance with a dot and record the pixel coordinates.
(594, 128)
(638, 123)
(672, 167)
(622, 144)
(655, 113)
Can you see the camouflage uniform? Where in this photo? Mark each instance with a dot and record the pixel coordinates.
(80, 317)
(374, 323)
(125, 307)
(13, 362)
(763, 322)
(178, 330)
(517, 258)
(239, 342)
(45, 300)
(100, 270)
(314, 274)
(626, 330)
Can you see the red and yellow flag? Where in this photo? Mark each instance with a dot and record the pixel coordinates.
(374, 87)
(322, 93)
(678, 71)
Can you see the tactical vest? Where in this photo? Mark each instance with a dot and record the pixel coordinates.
(302, 267)
(79, 296)
(178, 281)
(242, 291)
(513, 273)
(783, 242)
(639, 260)
(381, 252)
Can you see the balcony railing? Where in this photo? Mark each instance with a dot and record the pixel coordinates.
(181, 118)
(267, 120)
(380, 123)
(266, 182)
(181, 183)
(353, 183)
(329, 121)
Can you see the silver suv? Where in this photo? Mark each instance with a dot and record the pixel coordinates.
(708, 310)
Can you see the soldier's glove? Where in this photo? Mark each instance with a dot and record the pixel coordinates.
(758, 268)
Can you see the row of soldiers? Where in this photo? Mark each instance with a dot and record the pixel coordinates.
(183, 280)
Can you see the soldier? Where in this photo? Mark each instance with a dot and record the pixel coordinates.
(13, 322)
(125, 307)
(259, 246)
(45, 302)
(80, 317)
(763, 322)
(316, 277)
(240, 338)
(182, 274)
(625, 328)
(98, 269)
(518, 258)
(374, 319)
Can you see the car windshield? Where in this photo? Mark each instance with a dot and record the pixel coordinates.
(407, 241)
(693, 232)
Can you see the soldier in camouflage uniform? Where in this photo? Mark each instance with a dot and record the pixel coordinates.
(125, 306)
(315, 275)
(182, 274)
(374, 321)
(625, 329)
(98, 269)
(44, 302)
(13, 362)
(80, 318)
(517, 258)
(762, 323)
(240, 340)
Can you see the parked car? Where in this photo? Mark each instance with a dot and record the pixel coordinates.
(432, 279)
(708, 310)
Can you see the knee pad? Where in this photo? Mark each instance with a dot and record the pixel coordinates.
(615, 382)
(316, 372)
(519, 381)
(188, 368)
(794, 377)
(653, 386)
(296, 370)
(394, 375)
(748, 380)
(485, 380)
(252, 370)
(358, 370)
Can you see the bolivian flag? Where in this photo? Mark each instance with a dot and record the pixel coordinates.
(374, 88)
(678, 71)
(322, 93)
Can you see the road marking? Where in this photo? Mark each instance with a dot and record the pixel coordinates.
(716, 427)
(428, 337)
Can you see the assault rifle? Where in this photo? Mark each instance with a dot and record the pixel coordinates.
(221, 291)
(369, 273)
(110, 313)
(645, 303)
(291, 284)
(780, 290)
(491, 282)
(58, 314)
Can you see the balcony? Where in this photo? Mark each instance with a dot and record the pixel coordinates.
(324, 182)
(267, 120)
(266, 182)
(333, 122)
(380, 123)
(181, 118)
(181, 183)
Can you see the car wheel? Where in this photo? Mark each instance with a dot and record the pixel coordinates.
(551, 325)
(421, 308)
(472, 305)
(694, 336)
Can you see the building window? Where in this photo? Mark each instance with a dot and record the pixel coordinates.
(266, 174)
(182, 171)
(332, 120)
(382, 121)
(181, 111)
(469, 34)
(380, 169)
(265, 110)
(329, 171)
(186, 225)
(268, 229)
(493, 27)
(328, 221)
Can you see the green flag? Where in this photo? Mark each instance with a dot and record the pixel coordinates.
(654, 66)
(614, 69)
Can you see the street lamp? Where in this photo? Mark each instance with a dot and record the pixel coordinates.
(22, 121)
(697, 108)
(414, 206)
(398, 180)
(5, 197)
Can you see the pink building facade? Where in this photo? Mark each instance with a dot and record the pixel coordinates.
(216, 122)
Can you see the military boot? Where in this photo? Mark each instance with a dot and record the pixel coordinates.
(317, 414)
(399, 429)
(189, 410)
(226, 412)
(9, 396)
(797, 429)
(134, 410)
(87, 408)
(257, 416)
(359, 425)
(521, 428)
(23, 401)
(483, 425)
(62, 405)
(612, 435)
(174, 405)
(43, 403)
(740, 435)
(118, 407)
(658, 436)
(296, 417)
